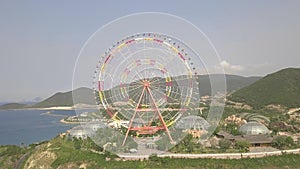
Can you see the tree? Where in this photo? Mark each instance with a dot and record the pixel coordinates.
(283, 142)
(163, 144)
(77, 144)
(188, 143)
(232, 129)
(131, 144)
(154, 157)
(224, 144)
(242, 145)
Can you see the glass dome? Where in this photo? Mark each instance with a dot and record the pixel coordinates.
(193, 122)
(253, 128)
(79, 132)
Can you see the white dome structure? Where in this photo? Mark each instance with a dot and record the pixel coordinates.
(253, 128)
(80, 132)
(192, 122)
(94, 125)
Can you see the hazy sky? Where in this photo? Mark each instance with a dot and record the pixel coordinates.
(40, 40)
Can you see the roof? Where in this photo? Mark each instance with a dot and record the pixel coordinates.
(193, 122)
(261, 138)
(252, 128)
(226, 135)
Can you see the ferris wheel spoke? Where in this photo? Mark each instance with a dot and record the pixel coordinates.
(135, 95)
(127, 61)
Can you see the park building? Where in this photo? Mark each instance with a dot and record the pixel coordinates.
(253, 132)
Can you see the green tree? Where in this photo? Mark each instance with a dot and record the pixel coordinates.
(242, 145)
(232, 129)
(283, 142)
(131, 144)
(163, 144)
(77, 143)
(224, 144)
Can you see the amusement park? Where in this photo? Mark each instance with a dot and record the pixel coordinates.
(149, 84)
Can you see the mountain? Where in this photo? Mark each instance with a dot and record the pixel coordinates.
(282, 87)
(13, 106)
(85, 96)
(233, 82)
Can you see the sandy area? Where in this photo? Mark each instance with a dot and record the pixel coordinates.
(58, 108)
(67, 122)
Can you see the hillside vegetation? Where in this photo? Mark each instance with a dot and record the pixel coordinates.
(65, 153)
(279, 88)
(85, 96)
(13, 106)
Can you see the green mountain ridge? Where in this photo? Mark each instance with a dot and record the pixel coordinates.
(85, 96)
(13, 106)
(279, 88)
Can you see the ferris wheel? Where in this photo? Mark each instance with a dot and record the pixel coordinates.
(146, 82)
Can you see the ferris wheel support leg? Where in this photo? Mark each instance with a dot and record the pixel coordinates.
(160, 117)
(133, 116)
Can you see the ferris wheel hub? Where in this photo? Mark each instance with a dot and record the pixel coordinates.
(146, 83)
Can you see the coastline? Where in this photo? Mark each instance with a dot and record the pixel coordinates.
(75, 107)
(52, 108)
(67, 122)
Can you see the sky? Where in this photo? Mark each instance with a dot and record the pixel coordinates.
(40, 40)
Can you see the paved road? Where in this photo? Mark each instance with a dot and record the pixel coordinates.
(21, 160)
(216, 156)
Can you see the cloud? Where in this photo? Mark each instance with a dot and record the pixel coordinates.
(229, 68)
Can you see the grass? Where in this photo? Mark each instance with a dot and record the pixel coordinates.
(68, 155)
(283, 161)
(9, 155)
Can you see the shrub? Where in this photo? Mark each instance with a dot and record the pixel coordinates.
(224, 144)
(283, 142)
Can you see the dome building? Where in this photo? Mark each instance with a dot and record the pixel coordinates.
(253, 128)
(95, 125)
(192, 122)
(80, 132)
(194, 125)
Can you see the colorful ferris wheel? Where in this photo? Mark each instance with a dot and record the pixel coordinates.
(146, 82)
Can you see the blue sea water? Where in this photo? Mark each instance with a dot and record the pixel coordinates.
(30, 126)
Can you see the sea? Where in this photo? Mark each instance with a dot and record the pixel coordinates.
(31, 126)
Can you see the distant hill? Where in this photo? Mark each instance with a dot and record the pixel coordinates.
(233, 82)
(85, 96)
(13, 106)
(282, 87)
